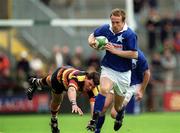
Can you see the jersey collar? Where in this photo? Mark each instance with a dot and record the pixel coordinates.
(125, 27)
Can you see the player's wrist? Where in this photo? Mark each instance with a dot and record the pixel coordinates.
(73, 102)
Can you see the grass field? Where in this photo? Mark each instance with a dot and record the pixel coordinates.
(143, 123)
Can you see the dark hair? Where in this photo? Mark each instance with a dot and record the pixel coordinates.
(95, 76)
(118, 12)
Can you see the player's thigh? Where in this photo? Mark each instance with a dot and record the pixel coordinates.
(106, 84)
(118, 101)
(56, 98)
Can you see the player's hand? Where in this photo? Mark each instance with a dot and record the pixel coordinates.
(76, 109)
(93, 45)
(110, 48)
(139, 95)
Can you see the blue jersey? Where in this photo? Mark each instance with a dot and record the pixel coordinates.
(124, 40)
(139, 66)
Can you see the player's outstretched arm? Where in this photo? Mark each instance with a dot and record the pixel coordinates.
(72, 98)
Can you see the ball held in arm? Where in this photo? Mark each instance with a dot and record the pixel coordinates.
(101, 41)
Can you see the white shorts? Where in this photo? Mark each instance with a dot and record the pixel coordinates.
(130, 92)
(121, 80)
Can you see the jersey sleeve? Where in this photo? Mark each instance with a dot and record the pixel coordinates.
(132, 42)
(100, 31)
(143, 66)
(142, 62)
(73, 83)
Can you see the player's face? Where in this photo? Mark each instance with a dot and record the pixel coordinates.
(117, 23)
(88, 85)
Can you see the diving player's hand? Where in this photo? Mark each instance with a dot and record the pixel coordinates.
(76, 109)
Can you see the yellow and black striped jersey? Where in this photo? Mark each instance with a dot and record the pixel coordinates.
(93, 93)
(67, 76)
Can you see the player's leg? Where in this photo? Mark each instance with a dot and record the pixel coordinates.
(105, 84)
(54, 107)
(101, 119)
(35, 83)
(120, 109)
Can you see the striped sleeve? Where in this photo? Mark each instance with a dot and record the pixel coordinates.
(73, 83)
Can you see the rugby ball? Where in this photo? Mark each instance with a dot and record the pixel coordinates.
(101, 41)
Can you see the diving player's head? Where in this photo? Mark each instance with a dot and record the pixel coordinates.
(118, 17)
(91, 81)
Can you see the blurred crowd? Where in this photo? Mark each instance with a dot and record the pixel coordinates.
(162, 49)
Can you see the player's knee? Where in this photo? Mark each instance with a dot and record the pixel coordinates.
(125, 103)
(55, 106)
(113, 115)
(116, 108)
(104, 91)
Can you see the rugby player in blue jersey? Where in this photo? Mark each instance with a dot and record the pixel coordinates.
(116, 64)
(139, 79)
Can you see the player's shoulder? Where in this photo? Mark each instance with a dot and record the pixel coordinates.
(129, 33)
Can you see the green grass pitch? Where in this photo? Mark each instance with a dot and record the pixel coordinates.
(143, 123)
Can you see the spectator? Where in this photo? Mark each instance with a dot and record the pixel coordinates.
(23, 69)
(169, 64)
(166, 30)
(66, 55)
(4, 65)
(176, 22)
(36, 65)
(58, 58)
(78, 58)
(151, 25)
(176, 43)
(94, 61)
(154, 95)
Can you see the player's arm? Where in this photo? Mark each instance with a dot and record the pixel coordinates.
(72, 98)
(125, 54)
(91, 41)
(144, 84)
(92, 107)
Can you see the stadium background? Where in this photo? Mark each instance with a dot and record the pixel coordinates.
(31, 44)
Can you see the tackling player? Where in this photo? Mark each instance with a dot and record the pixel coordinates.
(139, 80)
(116, 64)
(70, 80)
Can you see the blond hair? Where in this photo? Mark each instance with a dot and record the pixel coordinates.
(118, 12)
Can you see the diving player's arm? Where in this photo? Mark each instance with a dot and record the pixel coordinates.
(125, 54)
(144, 84)
(72, 98)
